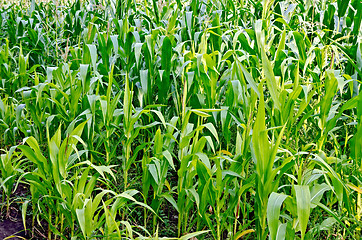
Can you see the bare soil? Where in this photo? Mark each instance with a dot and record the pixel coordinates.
(9, 229)
(12, 227)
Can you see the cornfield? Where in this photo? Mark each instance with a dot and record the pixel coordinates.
(173, 119)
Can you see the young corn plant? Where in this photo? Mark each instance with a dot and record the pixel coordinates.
(172, 145)
(50, 175)
(10, 171)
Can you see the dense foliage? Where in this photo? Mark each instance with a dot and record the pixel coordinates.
(210, 119)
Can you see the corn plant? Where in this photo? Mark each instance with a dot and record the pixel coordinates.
(205, 119)
(10, 169)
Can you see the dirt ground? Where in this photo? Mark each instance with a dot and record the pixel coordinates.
(13, 225)
(9, 229)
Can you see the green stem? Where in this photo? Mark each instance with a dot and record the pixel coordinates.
(50, 222)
